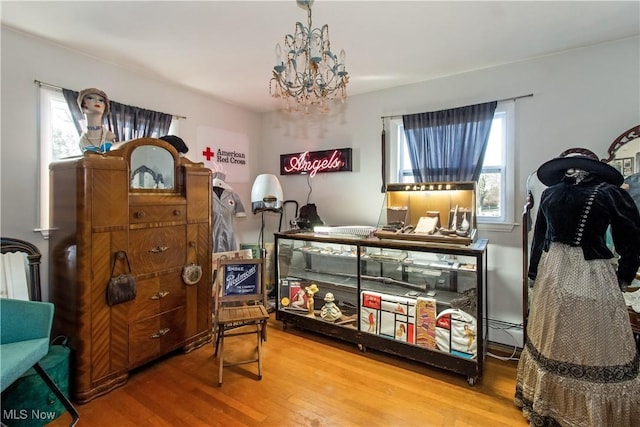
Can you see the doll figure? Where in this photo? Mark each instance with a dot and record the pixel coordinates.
(468, 332)
(330, 311)
(94, 103)
(311, 291)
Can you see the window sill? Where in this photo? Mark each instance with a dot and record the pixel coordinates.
(503, 227)
(44, 232)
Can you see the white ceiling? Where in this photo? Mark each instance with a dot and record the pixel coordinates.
(226, 48)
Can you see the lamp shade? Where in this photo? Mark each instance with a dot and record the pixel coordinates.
(266, 194)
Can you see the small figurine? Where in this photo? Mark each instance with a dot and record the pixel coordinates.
(94, 103)
(464, 226)
(311, 291)
(330, 311)
(468, 332)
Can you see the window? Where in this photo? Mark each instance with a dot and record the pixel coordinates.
(59, 139)
(495, 188)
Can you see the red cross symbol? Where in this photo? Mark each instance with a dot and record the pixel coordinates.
(208, 153)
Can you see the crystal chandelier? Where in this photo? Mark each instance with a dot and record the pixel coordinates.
(310, 73)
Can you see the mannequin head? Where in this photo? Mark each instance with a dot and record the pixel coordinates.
(93, 101)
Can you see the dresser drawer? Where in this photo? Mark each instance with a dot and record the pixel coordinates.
(157, 295)
(156, 335)
(157, 249)
(142, 214)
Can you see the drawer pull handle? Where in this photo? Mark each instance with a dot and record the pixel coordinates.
(160, 295)
(160, 333)
(139, 214)
(177, 212)
(159, 249)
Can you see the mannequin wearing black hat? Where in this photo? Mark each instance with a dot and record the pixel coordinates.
(94, 103)
(580, 363)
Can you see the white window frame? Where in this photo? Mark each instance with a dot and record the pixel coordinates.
(506, 220)
(47, 95)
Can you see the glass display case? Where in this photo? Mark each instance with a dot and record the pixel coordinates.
(430, 212)
(420, 300)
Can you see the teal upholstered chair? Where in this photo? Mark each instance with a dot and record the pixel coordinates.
(25, 329)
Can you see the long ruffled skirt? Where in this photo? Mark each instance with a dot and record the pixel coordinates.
(580, 364)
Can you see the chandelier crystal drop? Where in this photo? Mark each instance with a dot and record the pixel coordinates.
(310, 73)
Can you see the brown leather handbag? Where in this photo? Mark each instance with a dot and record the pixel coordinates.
(123, 287)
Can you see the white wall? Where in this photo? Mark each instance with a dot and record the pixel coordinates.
(583, 98)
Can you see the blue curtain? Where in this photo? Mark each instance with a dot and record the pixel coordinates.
(125, 121)
(76, 114)
(129, 122)
(449, 145)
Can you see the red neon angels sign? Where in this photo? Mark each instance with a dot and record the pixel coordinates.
(313, 162)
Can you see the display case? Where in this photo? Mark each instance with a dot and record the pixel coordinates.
(442, 212)
(420, 300)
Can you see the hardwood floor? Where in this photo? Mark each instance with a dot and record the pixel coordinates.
(308, 380)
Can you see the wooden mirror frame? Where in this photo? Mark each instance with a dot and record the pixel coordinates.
(126, 151)
(621, 140)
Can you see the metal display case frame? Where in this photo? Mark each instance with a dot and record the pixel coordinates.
(356, 268)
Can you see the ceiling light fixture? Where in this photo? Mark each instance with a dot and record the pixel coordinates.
(311, 73)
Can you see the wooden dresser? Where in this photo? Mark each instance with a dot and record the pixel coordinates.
(147, 201)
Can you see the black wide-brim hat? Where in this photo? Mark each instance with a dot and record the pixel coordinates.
(552, 171)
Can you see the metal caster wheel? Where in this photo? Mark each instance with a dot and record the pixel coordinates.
(362, 348)
(472, 381)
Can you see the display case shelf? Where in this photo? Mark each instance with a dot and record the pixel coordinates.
(421, 300)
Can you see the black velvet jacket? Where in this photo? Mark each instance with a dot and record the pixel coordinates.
(579, 215)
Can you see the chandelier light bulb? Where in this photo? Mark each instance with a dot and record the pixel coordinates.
(279, 67)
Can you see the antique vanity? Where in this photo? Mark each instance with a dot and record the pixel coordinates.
(624, 155)
(146, 201)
